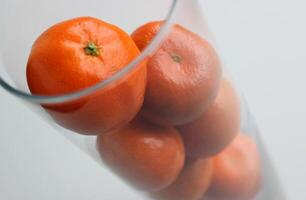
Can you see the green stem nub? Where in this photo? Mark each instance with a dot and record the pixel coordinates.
(92, 49)
(176, 58)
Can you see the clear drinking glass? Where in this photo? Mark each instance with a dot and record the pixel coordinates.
(82, 115)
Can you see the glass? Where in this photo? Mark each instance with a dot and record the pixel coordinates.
(110, 107)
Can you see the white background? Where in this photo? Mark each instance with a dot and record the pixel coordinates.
(263, 43)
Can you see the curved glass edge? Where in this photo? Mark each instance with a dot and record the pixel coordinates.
(169, 20)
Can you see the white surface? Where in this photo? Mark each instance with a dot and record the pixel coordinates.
(263, 42)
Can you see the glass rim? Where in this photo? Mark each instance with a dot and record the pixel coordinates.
(45, 99)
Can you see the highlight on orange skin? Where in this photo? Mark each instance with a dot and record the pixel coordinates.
(147, 156)
(191, 184)
(237, 171)
(183, 75)
(215, 128)
(79, 53)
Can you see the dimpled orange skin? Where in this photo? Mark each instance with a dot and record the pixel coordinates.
(183, 75)
(237, 171)
(62, 61)
(191, 184)
(215, 128)
(145, 155)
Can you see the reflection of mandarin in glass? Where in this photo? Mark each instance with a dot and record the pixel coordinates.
(183, 75)
(192, 182)
(237, 171)
(216, 127)
(147, 156)
(79, 53)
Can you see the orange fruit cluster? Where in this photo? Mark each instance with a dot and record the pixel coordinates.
(170, 127)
